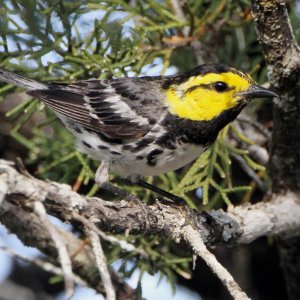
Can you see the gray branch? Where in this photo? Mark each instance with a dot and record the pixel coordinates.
(240, 225)
(19, 193)
(282, 55)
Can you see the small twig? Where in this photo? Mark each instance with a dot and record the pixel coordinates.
(249, 171)
(3, 190)
(92, 232)
(193, 237)
(21, 167)
(101, 263)
(124, 245)
(64, 257)
(178, 10)
(45, 265)
(259, 154)
(256, 125)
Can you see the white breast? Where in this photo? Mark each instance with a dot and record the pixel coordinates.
(169, 160)
(125, 162)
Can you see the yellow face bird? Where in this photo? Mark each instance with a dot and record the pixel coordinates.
(213, 90)
(149, 125)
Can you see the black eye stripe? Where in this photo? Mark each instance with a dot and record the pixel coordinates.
(194, 87)
(210, 86)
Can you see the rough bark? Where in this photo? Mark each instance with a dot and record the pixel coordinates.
(240, 225)
(19, 194)
(20, 220)
(282, 55)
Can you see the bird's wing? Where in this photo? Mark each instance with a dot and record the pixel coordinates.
(120, 109)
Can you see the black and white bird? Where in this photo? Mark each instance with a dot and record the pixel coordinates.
(149, 125)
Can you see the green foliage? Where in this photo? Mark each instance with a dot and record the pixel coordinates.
(55, 40)
(212, 172)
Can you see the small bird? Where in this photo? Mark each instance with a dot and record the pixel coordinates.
(147, 126)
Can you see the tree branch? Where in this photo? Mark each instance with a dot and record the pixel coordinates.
(278, 217)
(16, 213)
(64, 258)
(240, 225)
(100, 258)
(282, 55)
(192, 236)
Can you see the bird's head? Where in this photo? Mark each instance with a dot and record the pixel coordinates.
(208, 90)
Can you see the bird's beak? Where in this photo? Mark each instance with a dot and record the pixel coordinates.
(256, 91)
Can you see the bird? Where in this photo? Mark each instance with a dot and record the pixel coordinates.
(146, 126)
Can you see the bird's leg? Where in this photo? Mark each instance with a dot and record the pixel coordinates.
(101, 178)
(146, 185)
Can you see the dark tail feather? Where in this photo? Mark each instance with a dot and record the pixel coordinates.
(21, 81)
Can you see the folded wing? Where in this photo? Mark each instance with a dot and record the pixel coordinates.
(113, 108)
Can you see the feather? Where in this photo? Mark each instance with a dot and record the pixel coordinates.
(99, 107)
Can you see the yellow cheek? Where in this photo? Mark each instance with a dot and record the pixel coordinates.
(200, 104)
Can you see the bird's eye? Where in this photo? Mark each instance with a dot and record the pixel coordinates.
(220, 86)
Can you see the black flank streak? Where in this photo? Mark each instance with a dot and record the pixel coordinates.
(115, 153)
(126, 147)
(77, 129)
(183, 140)
(102, 147)
(100, 104)
(152, 157)
(109, 140)
(93, 94)
(151, 121)
(86, 144)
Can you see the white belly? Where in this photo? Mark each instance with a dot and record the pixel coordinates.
(125, 162)
(169, 160)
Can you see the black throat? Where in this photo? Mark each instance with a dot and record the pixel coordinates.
(202, 133)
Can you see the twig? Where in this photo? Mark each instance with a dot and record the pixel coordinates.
(101, 263)
(193, 237)
(64, 257)
(124, 245)
(249, 171)
(245, 119)
(45, 265)
(178, 10)
(259, 154)
(3, 191)
(100, 258)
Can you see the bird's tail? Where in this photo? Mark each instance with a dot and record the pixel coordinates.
(21, 81)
